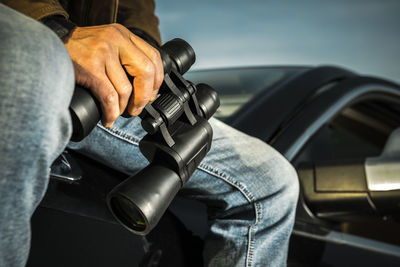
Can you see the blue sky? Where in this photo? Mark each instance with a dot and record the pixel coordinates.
(362, 35)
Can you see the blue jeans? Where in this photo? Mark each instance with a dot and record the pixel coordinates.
(250, 190)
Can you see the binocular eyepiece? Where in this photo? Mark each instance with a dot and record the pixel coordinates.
(177, 54)
(179, 136)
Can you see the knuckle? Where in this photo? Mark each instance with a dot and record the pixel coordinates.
(148, 68)
(110, 98)
(117, 25)
(110, 105)
(155, 55)
(112, 32)
(126, 90)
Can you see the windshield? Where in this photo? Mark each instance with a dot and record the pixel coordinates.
(238, 86)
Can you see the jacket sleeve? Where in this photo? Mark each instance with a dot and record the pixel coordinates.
(139, 14)
(37, 9)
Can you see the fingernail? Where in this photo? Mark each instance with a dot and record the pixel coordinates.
(153, 98)
(108, 124)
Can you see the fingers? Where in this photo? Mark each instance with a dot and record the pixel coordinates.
(120, 81)
(152, 54)
(100, 54)
(138, 65)
(145, 68)
(143, 62)
(108, 97)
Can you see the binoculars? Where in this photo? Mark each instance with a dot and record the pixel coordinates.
(178, 138)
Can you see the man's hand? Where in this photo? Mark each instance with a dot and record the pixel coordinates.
(101, 53)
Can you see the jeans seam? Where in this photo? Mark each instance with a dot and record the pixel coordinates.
(134, 140)
(249, 197)
(217, 173)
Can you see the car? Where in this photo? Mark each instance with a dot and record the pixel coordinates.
(341, 132)
(329, 122)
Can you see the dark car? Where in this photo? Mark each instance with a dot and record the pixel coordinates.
(339, 131)
(336, 127)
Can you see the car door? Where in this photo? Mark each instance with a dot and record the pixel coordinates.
(350, 181)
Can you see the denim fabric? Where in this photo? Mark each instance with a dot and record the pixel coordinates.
(250, 190)
(36, 84)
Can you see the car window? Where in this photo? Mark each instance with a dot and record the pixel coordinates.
(236, 87)
(359, 131)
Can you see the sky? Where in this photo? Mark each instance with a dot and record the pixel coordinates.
(361, 35)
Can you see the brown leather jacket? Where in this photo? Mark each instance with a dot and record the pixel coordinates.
(130, 13)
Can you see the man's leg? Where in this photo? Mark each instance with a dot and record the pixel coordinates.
(250, 190)
(251, 194)
(36, 81)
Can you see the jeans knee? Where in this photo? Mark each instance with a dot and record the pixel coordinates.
(290, 183)
(36, 80)
(279, 185)
(265, 173)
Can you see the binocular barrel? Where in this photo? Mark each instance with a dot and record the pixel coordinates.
(177, 54)
(182, 108)
(139, 202)
(86, 110)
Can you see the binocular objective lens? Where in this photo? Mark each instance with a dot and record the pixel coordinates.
(128, 214)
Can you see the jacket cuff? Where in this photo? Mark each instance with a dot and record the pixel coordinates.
(59, 24)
